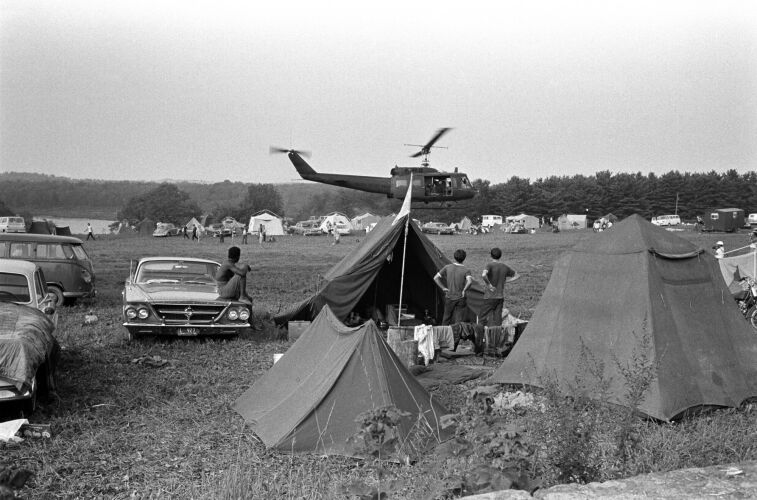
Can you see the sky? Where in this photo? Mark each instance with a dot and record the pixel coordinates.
(195, 90)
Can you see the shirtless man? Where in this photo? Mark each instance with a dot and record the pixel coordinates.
(232, 277)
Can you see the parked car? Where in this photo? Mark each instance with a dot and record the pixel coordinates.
(179, 296)
(165, 229)
(752, 220)
(217, 229)
(63, 260)
(437, 228)
(28, 348)
(12, 225)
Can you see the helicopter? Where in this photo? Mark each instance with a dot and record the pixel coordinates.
(429, 184)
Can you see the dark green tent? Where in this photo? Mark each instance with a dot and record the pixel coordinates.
(370, 277)
(309, 400)
(40, 227)
(632, 282)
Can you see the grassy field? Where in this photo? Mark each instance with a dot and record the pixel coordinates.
(125, 429)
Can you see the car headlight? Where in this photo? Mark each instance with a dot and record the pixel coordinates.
(244, 314)
(233, 314)
(131, 313)
(86, 276)
(143, 313)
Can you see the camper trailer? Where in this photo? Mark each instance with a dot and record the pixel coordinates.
(723, 219)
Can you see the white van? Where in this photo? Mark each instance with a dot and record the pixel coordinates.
(12, 225)
(490, 220)
(666, 220)
(752, 220)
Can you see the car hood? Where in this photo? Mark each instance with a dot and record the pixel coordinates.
(170, 292)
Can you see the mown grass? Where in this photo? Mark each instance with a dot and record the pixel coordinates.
(128, 430)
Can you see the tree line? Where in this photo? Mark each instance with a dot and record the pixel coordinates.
(688, 194)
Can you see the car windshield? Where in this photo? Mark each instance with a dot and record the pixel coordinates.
(80, 253)
(176, 271)
(14, 288)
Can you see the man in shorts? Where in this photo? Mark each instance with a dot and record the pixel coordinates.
(232, 278)
(495, 275)
(454, 280)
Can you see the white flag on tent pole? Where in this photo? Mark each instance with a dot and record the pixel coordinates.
(405, 204)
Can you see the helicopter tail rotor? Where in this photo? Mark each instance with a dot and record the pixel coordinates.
(275, 150)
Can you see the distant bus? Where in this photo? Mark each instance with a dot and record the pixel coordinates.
(666, 220)
(490, 220)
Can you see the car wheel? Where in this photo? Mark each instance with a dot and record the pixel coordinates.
(59, 298)
(30, 405)
(753, 319)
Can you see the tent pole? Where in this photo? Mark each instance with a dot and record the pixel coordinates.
(404, 248)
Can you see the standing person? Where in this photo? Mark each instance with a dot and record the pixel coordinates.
(244, 235)
(456, 281)
(337, 236)
(261, 235)
(719, 250)
(184, 232)
(231, 277)
(495, 275)
(262, 232)
(194, 233)
(90, 232)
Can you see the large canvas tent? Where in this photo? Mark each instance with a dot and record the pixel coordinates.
(527, 221)
(571, 221)
(309, 400)
(369, 277)
(361, 222)
(333, 219)
(272, 223)
(636, 282)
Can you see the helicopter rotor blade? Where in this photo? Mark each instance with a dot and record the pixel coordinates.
(425, 149)
(274, 150)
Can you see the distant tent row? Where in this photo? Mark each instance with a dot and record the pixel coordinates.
(48, 227)
(610, 292)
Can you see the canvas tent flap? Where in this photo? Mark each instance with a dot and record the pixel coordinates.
(740, 266)
(308, 401)
(608, 294)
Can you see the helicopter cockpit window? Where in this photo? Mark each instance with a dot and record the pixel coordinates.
(465, 181)
(417, 182)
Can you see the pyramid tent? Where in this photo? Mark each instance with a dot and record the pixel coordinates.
(40, 227)
(638, 281)
(192, 223)
(63, 230)
(309, 400)
(464, 224)
(369, 277)
(273, 224)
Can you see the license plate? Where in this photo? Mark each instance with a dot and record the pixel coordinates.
(189, 332)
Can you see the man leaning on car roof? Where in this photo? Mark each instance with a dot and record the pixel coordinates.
(232, 277)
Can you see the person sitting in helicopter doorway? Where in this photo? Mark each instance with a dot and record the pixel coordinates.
(454, 280)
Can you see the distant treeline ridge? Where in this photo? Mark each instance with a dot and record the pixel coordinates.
(604, 192)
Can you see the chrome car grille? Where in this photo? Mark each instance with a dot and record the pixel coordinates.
(183, 314)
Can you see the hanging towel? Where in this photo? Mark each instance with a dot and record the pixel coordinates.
(424, 334)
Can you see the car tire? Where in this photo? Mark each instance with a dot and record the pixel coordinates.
(59, 298)
(30, 405)
(753, 318)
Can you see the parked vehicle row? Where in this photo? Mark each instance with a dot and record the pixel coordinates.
(437, 228)
(66, 265)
